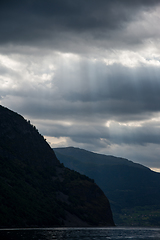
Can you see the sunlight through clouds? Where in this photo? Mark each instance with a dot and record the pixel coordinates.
(87, 80)
(9, 62)
(55, 142)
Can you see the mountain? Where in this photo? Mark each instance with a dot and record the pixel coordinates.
(36, 190)
(132, 189)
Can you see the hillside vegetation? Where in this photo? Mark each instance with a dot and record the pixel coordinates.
(133, 189)
(36, 190)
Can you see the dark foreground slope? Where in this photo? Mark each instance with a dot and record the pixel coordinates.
(133, 189)
(35, 189)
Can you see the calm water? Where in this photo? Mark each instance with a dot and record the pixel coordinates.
(81, 234)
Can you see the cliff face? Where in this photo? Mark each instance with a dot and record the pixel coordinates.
(36, 190)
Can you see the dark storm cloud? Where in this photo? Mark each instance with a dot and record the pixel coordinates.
(83, 88)
(85, 70)
(114, 134)
(119, 83)
(113, 91)
(108, 93)
(28, 22)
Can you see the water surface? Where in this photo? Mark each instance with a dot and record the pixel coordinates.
(80, 233)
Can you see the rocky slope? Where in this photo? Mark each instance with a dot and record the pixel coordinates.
(133, 189)
(36, 190)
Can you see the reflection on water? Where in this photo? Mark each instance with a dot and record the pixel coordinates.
(80, 234)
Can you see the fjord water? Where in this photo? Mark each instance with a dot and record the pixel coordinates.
(81, 233)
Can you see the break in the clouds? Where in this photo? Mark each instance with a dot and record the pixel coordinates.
(86, 73)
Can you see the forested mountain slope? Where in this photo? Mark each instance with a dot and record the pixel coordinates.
(133, 189)
(36, 190)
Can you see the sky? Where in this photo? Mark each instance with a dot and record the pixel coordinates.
(86, 73)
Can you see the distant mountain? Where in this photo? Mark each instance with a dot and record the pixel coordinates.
(36, 190)
(133, 189)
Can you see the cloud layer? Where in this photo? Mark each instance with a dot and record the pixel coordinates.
(86, 73)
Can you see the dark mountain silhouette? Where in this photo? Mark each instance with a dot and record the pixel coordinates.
(35, 189)
(133, 189)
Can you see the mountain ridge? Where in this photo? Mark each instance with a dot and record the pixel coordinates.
(128, 185)
(36, 190)
(117, 160)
